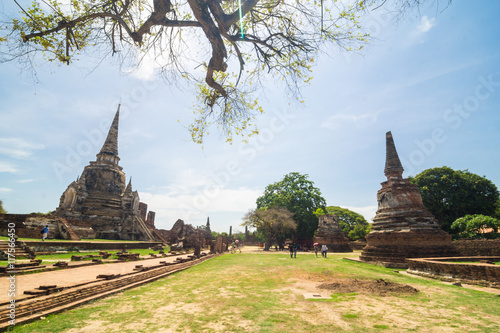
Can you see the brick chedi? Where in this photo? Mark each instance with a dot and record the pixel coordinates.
(403, 227)
(330, 234)
(101, 196)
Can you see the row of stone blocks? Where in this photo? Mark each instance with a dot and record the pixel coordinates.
(52, 298)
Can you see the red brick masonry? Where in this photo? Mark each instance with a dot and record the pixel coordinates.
(448, 269)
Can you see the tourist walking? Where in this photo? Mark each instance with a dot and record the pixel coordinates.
(45, 232)
(316, 249)
(295, 248)
(324, 249)
(290, 248)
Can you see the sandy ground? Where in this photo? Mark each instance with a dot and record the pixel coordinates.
(72, 276)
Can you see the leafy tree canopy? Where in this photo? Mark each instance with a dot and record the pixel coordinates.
(2, 211)
(297, 194)
(497, 210)
(224, 47)
(450, 194)
(274, 224)
(476, 226)
(352, 224)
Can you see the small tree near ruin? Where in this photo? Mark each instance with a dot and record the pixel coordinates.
(275, 224)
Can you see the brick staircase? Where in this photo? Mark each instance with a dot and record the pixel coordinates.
(69, 230)
(19, 251)
(50, 299)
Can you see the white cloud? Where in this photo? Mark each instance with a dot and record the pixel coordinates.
(145, 71)
(196, 206)
(368, 212)
(342, 119)
(18, 148)
(25, 181)
(5, 190)
(425, 24)
(7, 167)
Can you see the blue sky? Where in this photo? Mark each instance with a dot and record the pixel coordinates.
(432, 79)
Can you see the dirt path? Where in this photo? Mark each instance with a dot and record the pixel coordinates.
(72, 276)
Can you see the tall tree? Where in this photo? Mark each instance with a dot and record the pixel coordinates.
(450, 194)
(223, 47)
(297, 194)
(2, 211)
(275, 224)
(497, 210)
(354, 225)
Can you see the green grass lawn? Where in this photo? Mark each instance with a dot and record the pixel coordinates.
(252, 292)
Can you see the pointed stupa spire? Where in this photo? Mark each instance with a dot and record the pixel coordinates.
(110, 146)
(208, 222)
(129, 186)
(393, 166)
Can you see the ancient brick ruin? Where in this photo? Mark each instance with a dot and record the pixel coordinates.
(189, 235)
(29, 226)
(100, 196)
(330, 234)
(99, 204)
(403, 227)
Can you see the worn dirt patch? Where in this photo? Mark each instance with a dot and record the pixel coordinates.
(378, 287)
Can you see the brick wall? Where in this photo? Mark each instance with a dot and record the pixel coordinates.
(23, 228)
(478, 247)
(472, 273)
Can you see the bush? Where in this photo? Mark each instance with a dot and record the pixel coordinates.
(474, 226)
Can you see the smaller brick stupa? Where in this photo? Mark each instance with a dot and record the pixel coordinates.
(403, 227)
(330, 234)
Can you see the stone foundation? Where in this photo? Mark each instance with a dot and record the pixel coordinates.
(398, 245)
(334, 244)
(357, 245)
(444, 269)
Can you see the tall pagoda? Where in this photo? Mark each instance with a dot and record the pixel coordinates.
(403, 227)
(101, 196)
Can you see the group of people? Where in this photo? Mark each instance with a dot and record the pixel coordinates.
(324, 250)
(293, 250)
(294, 247)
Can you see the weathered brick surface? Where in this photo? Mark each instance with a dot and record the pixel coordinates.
(445, 268)
(478, 247)
(330, 234)
(403, 227)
